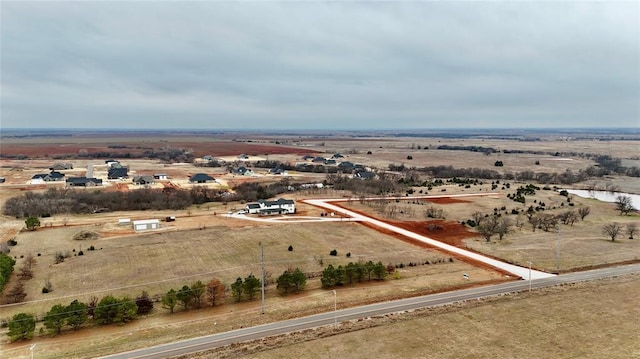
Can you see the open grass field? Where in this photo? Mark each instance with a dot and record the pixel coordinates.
(160, 261)
(587, 320)
(582, 245)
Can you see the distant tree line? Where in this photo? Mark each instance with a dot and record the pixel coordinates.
(382, 185)
(566, 177)
(167, 155)
(606, 165)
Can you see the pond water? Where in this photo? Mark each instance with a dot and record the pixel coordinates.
(606, 196)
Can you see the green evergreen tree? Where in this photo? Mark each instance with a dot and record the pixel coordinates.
(251, 286)
(56, 318)
(21, 327)
(170, 300)
(78, 313)
(237, 289)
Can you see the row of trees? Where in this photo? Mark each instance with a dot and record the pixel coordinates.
(195, 296)
(78, 201)
(165, 154)
(352, 273)
(6, 268)
(69, 200)
(292, 280)
(108, 310)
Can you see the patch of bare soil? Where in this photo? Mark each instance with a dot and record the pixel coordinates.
(448, 232)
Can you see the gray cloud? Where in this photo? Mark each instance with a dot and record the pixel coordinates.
(320, 65)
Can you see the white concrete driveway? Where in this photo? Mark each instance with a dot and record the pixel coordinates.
(513, 269)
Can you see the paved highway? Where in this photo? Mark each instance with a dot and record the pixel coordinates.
(245, 334)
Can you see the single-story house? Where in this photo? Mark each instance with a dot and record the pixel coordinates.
(47, 177)
(278, 171)
(279, 206)
(160, 176)
(243, 171)
(146, 224)
(308, 157)
(337, 155)
(201, 178)
(61, 166)
(83, 182)
(117, 173)
(365, 175)
(319, 160)
(144, 180)
(330, 162)
(243, 157)
(346, 165)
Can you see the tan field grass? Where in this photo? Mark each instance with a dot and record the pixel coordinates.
(127, 265)
(581, 245)
(586, 320)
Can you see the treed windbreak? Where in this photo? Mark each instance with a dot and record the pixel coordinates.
(79, 201)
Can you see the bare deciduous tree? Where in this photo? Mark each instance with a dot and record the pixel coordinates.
(477, 217)
(583, 212)
(503, 227)
(612, 230)
(624, 205)
(632, 229)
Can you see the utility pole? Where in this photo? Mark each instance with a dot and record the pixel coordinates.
(529, 275)
(335, 308)
(263, 275)
(558, 251)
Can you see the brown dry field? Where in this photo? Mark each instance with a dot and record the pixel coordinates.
(586, 320)
(199, 145)
(582, 245)
(214, 246)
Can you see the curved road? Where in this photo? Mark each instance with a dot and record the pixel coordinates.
(439, 299)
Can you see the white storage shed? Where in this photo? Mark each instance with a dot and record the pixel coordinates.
(146, 224)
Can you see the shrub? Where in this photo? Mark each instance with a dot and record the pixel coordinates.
(333, 253)
(290, 248)
(85, 235)
(59, 257)
(12, 242)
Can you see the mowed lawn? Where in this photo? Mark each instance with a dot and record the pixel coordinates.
(588, 320)
(156, 262)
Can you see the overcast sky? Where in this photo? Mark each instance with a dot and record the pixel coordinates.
(320, 65)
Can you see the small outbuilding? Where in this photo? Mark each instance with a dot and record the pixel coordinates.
(146, 224)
